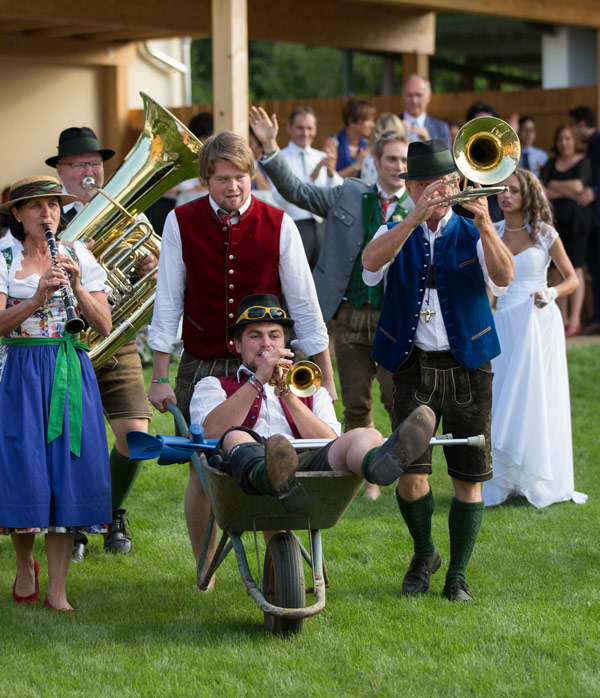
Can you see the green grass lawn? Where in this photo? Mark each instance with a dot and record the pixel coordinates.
(142, 629)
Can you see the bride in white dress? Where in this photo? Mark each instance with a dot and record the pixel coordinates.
(532, 450)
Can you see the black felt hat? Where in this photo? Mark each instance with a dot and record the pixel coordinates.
(428, 160)
(254, 307)
(77, 140)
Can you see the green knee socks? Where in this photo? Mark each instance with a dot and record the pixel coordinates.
(464, 522)
(259, 478)
(123, 473)
(417, 515)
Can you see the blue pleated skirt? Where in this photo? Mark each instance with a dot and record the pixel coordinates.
(43, 484)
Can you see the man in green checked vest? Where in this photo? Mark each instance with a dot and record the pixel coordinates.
(354, 212)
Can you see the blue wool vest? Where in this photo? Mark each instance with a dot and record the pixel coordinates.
(462, 294)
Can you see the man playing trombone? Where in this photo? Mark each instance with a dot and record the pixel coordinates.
(436, 333)
(255, 419)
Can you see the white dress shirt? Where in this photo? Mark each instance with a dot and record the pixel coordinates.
(302, 162)
(414, 121)
(432, 335)
(208, 394)
(296, 283)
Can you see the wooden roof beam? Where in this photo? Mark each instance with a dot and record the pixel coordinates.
(347, 25)
(583, 13)
(64, 51)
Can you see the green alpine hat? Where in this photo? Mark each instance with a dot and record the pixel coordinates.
(77, 140)
(428, 160)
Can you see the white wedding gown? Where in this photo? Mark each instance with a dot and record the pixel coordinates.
(532, 451)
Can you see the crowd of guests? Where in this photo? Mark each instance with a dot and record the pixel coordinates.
(360, 241)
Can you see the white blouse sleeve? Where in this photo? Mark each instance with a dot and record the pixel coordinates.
(3, 275)
(93, 275)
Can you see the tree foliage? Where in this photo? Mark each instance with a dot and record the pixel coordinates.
(290, 71)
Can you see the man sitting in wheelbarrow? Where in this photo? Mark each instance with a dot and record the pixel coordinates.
(256, 420)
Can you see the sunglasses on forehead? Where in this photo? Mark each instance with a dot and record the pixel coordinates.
(257, 312)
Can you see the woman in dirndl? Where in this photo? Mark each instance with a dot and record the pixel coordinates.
(54, 471)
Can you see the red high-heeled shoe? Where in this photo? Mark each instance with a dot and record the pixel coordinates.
(32, 598)
(47, 604)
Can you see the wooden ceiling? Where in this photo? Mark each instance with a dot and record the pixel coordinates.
(72, 30)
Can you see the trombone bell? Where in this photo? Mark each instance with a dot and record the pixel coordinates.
(486, 150)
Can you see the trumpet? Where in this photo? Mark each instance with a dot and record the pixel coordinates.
(303, 379)
(74, 324)
(486, 150)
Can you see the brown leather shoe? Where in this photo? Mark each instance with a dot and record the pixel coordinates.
(409, 440)
(281, 463)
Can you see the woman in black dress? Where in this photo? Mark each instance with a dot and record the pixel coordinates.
(564, 177)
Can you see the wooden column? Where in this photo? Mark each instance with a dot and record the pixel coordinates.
(415, 63)
(230, 65)
(114, 115)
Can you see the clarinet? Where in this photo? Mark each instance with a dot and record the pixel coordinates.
(74, 324)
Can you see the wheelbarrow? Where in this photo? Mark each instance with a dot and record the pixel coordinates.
(281, 590)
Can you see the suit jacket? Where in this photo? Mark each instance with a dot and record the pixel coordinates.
(438, 129)
(342, 206)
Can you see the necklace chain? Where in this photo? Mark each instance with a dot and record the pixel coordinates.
(514, 230)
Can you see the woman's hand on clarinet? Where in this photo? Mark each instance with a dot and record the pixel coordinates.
(48, 285)
(71, 270)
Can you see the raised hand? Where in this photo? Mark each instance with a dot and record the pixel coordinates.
(265, 128)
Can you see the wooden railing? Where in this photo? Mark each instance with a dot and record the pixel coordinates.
(548, 107)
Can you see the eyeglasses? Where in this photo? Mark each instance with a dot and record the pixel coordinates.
(80, 166)
(257, 312)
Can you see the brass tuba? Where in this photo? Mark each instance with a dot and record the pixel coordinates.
(487, 151)
(165, 154)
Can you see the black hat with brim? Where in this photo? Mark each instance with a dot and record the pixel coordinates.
(428, 160)
(259, 300)
(77, 140)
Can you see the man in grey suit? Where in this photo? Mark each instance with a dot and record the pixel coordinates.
(416, 95)
(354, 211)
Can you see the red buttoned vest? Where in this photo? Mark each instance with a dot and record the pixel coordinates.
(230, 385)
(223, 266)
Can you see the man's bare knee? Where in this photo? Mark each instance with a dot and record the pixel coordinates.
(413, 486)
(233, 438)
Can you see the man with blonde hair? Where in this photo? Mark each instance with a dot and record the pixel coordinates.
(217, 250)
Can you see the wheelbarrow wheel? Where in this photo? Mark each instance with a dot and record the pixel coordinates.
(283, 583)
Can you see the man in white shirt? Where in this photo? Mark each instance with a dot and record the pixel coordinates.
(416, 95)
(436, 333)
(309, 165)
(256, 449)
(215, 251)
(532, 158)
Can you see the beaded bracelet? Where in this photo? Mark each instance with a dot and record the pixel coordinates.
(256, 384)
(160, 380)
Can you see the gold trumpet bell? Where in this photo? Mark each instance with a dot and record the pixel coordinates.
(304, 378)
(486, 150)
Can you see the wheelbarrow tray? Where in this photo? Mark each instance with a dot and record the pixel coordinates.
(329, 495)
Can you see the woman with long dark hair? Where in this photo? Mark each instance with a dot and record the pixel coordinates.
(532, 452)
